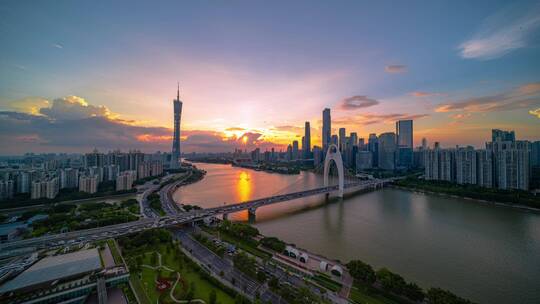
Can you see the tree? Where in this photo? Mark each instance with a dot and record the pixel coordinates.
(191, 292)
(273, 283)
(261, 276)
(440, 296)
(391, 281)
(212, 297)
(414, 292)
(361, 271)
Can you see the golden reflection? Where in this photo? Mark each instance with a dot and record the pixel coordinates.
(243, 192)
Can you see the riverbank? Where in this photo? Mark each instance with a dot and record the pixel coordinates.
(488, 202)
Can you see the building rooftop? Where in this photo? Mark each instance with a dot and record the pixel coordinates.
(54, 268)
(7, 228)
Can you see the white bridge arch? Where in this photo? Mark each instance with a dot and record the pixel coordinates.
(334, 154)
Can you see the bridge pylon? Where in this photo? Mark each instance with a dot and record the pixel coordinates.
(333, 154)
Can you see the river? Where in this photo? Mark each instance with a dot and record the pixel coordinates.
(486, 253)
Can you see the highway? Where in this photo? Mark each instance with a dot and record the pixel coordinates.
(113, 231)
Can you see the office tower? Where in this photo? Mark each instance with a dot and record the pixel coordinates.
(436, 145)
(404, 133)
(69, 178)
(125, 180)
(373, 146)
(326, 130)
(361, 144)
(306, 142)
(353, 139)
(484, 168)
(387, 151)
(295, 153)
(342, 139)
(88, 184)
(175, 155)
(364, 160)
(500, 135)
(511, 163)
(256, 155)
(289, 154)
(317, 155)
(424, 143)
(334, 140)
(466, 167)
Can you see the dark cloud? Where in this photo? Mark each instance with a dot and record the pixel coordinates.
(395, 68)
(524, 96)
(357, 102)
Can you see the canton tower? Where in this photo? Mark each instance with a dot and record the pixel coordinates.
(175, 156)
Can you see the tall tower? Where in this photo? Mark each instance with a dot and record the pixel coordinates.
(175, 156)
(306, 149)
(326, 130)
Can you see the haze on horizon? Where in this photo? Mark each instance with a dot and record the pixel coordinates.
(75, 75)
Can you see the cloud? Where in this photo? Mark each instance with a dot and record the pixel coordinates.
(30, 105)
(395, 69)
(425, 94)
(521, 97)
(370, 119)
(57, 45)
(288, 128)
(535, 112)
(74, 107)
(235, 129)
(73, 125)
(357, 102)
(501, 34)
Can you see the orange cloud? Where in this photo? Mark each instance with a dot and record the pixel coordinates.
(535, 112)
(425, 94)
(153, 138)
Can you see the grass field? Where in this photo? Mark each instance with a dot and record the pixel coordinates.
(361, 296)
(242, 244)
(187, 272)
(326, 282)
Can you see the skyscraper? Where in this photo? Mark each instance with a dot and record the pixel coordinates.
(501, 135)
(326, 129)
(342, 139)
(387, 151)
(175, 156)
(404, 133)
(306, 149)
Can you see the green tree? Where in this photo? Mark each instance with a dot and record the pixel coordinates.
(212, 297)
(361, 271)
(440, 296)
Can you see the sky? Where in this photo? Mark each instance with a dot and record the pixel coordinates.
(79, 75)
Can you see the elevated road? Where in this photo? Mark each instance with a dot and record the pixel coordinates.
(113, 231)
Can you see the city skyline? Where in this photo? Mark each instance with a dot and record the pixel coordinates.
(61, 92)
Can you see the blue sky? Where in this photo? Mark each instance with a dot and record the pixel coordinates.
(263, 68)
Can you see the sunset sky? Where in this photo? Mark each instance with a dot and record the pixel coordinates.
(75, 75)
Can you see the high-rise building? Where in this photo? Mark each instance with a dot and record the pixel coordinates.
(110, 172)
(46, 188)
(387, 151)
(334, 140)
(156, 168)
(175, 156)
(98, 171)
(424, 143)
(326, 130)
(501, 135)
(69, 178)
(373, 146)
(364, 160)
(404, 134)
(466, 167)
(289, 154)
(342, 139)
(94, 159)
(511, 164)
(306, 143)
(23, 182)
(88, 184)
(535, 154)
(7, 189)
(484, 168)
(295, 152)
(439, 164)
(125, 180)
(317, 155)
(144, 170)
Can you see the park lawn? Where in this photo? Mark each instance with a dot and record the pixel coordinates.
(139, 289)
(188, 273)
(360, 296)
(327, 283)
(240, 243)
